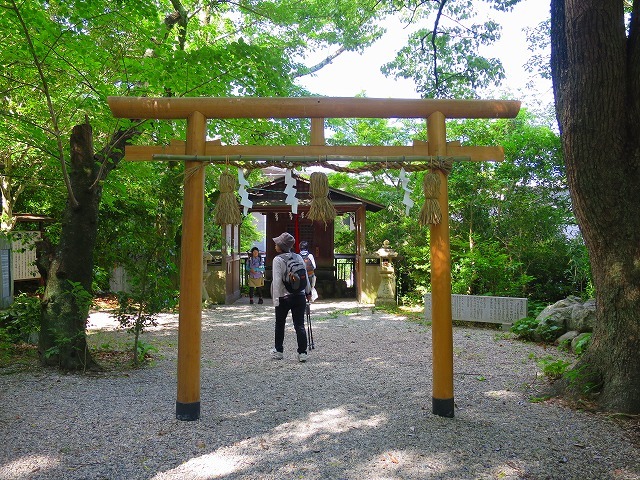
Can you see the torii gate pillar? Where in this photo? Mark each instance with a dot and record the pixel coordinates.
(190, 316)
(442, 324)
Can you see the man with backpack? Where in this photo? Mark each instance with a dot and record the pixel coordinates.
(289, 291)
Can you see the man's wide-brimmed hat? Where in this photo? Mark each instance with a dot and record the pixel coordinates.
(285, 241)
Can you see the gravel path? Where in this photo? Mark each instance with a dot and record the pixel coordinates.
(360, 408)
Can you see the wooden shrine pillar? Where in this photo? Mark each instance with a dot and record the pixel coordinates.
(361, 246)
(442, 325)
(190, 316)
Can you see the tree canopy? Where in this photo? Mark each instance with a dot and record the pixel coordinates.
(512, 228)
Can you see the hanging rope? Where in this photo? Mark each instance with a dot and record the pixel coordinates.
(321, 208)
(227, 209)
(431, 214)
(286, 163)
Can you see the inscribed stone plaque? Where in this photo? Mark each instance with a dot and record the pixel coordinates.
(476, 308)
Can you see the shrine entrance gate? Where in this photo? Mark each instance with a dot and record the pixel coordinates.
(196, 150)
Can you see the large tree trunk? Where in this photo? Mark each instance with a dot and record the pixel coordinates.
(596, 81)
(68, 268)
(64, 306)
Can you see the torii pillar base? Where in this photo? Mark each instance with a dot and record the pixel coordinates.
(187, 411)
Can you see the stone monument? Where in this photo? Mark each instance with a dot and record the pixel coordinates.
(387, 289)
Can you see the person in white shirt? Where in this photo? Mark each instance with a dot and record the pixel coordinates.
(284, 301)
(310, 264)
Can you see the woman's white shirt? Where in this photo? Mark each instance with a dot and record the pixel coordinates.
(277, 285)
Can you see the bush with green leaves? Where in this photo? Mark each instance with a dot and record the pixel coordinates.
(552, 367)
(525, 328)
(548, 332)
(582, 343)
(139, 310)
(21, 319)
(580, 379)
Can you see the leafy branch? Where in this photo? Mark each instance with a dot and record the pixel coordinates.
(52, 113)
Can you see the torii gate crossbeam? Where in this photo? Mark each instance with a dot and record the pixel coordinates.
(197, 110)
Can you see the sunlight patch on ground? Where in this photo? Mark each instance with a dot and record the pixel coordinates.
(27, 466)
(210, 466)
(407, 464)
(509, 469)
(106, 321)
(334, 420)
(502, 394)
(233, 458)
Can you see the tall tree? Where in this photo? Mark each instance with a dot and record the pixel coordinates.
(442, 55)
(595, 68)
(60, 60)
(595, 64)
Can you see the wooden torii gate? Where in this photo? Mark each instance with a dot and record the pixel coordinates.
(197, 110)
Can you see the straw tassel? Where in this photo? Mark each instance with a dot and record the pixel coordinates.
(321, 208)
(430, 212)
(227, 209)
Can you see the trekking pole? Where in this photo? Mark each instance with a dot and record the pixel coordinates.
(310, 343)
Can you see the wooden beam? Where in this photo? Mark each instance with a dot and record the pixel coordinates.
(317, 131)
(308, 107)
(140, 153)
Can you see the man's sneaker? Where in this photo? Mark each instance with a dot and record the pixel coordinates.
(251, 301)
(260, 300)
(276, 355)
(302, 357)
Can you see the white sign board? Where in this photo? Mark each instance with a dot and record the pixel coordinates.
(477, 308)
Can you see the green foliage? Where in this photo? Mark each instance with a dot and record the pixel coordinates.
(486, 269)
(137, 314)
(511, 225)
(81, 296)
(579, 378)
(553, 368)
(535, 307)
(146, 248)
(579, 268)
(21, 319)
(525, 328)
(63, 341)
(548, 332)
(544, 398)
(101, 278)
(582, 344)
(143, 350)
(443, 59)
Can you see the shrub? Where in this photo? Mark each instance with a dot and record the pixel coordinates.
(525, 328)
(21, 319)
(553, 368)
(548, 332)
(582, 344)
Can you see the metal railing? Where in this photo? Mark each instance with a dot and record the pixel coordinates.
(344, 265)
